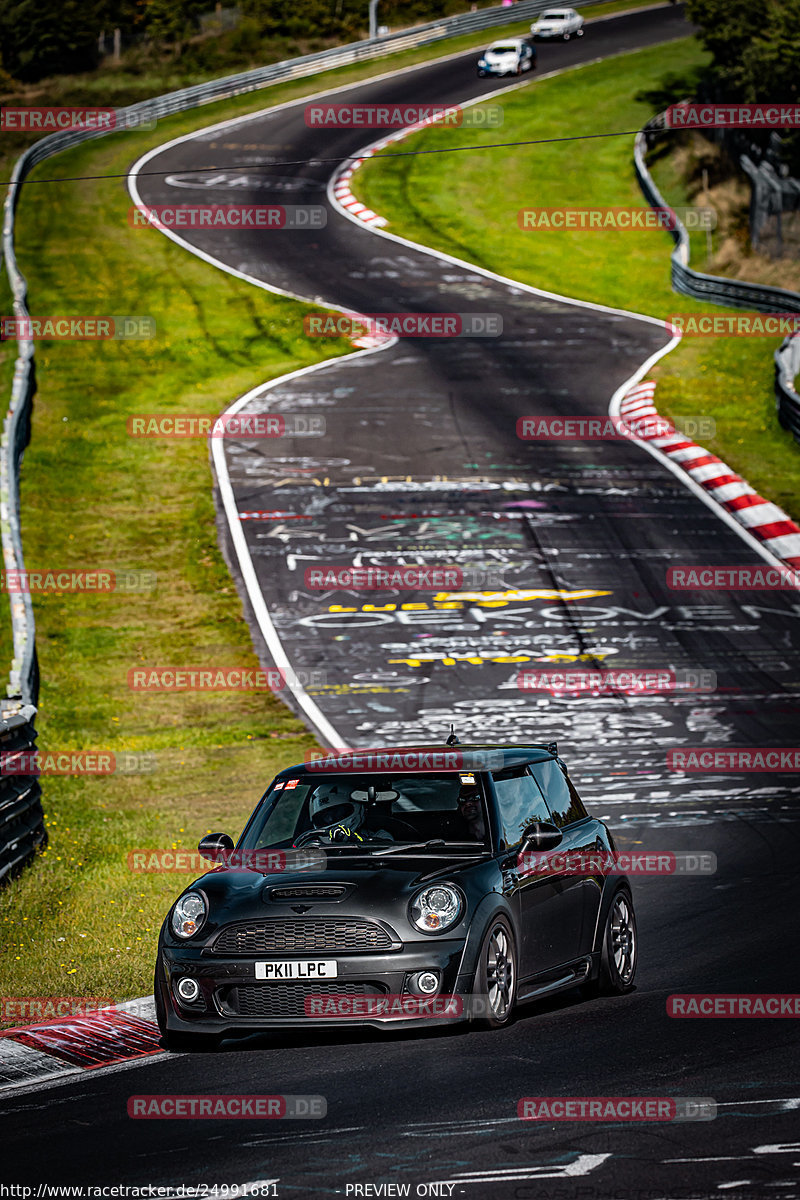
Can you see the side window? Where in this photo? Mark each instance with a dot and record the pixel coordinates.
(564, 802)
(519, 802)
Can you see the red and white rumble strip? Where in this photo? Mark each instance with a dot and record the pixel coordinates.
(68, 1045)
(344, 196)
(341, 184)
(761, 518)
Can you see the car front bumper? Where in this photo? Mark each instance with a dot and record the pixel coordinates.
(370, 989)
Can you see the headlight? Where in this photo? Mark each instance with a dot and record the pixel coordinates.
(189, 914)
(436, 908)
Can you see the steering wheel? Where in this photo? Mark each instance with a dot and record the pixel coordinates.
(321, 837)
(308, 837)
(397, 827)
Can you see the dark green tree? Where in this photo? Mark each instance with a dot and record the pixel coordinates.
(755, 49)
(172, 21)
(48, 37)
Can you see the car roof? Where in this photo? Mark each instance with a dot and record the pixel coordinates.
(516, 42)
(364, 760)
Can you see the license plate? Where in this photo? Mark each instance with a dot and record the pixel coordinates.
(307, 968)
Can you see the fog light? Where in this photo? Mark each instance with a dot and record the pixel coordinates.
(188, 990)
(427, 982)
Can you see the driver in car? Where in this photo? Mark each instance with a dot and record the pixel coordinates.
(339, 819)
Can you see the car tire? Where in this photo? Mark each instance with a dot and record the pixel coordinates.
(618, 950)
(578, 33)
(566, 36)
(497, 958)
(481, 74)
(178, 1041)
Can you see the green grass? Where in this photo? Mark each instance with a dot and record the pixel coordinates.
(467, 204)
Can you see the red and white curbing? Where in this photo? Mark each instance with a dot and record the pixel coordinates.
(344, 196)
(341, 190)
(34, 1054)
(341, 180)
(764, 520)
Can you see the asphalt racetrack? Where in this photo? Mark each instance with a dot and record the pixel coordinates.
(420, 462)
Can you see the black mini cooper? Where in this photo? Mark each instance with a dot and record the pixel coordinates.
(398, 887)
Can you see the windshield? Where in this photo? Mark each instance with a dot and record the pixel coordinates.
(553, 16)
(371, 812)
(502, 50)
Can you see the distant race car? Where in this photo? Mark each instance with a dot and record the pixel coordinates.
(561, 23)
(511, 56)
(394, 888)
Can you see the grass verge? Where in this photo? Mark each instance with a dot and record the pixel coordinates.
(467, 205)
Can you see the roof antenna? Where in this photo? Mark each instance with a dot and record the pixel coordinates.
(452, 740)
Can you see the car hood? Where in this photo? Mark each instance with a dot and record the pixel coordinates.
(379, 891)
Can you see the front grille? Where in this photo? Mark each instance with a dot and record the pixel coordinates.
(286, 999)
(288, 936)
(311, 892)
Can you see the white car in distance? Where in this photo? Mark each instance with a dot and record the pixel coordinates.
(511, 56)
(561, 23)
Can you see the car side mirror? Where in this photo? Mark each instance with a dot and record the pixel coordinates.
(215, 845)
(540, 835)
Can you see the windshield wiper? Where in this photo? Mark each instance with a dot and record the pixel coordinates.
(434, 844)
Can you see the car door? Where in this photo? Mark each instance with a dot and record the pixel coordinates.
(578, 888)
(535, 895)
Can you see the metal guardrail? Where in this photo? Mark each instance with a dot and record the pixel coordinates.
(716, 289)
(787, 370)
(22, 830)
